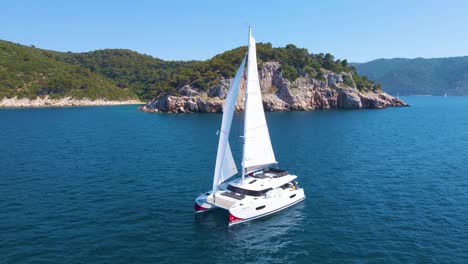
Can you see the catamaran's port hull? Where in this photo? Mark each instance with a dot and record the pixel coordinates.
(201, 205)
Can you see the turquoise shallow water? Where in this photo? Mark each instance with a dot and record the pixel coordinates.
(115, 185)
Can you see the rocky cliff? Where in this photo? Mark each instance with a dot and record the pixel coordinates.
(335, 91)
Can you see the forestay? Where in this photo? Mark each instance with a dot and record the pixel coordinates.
(258, 152)
(225, 166)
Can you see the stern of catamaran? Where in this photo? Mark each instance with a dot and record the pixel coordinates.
(225, 200)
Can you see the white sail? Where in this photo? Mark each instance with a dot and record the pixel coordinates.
(258, 152)
(225, 166)
(229, 165)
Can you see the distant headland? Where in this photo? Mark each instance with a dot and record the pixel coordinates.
(419, 76)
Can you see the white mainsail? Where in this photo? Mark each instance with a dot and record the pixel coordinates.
(225, 166)
(258, 152)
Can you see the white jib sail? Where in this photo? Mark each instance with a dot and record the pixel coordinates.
(229, 165)
(225, 166)
(258, 152)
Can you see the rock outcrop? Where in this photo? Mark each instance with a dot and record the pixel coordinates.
(279, 94)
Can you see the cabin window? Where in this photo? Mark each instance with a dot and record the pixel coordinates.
(292, 196)
(260, 207)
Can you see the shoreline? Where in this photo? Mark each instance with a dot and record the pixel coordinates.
(61, 102)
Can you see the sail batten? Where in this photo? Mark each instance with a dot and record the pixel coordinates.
(258, 151)
(225, 165)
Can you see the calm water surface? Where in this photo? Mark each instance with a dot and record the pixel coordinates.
(115, 185)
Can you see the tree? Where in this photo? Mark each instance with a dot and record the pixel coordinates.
(344, 63)
(329, 57)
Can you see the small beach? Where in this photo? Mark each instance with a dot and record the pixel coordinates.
(61, 102)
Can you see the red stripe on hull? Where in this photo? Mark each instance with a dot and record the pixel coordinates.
(199, 208)
(233, 218)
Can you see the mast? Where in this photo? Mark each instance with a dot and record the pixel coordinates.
(245, 105)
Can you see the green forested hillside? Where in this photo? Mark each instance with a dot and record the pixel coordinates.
(118, 74)
(31, 72)
(419, 76)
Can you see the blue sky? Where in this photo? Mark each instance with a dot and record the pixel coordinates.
(182, 30)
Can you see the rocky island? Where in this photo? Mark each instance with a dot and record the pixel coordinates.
(279, 94)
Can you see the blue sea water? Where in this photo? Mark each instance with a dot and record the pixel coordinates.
(115, 185)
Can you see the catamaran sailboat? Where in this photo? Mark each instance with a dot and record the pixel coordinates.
(262, 189)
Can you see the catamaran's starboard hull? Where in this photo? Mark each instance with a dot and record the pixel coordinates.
(240, 214)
